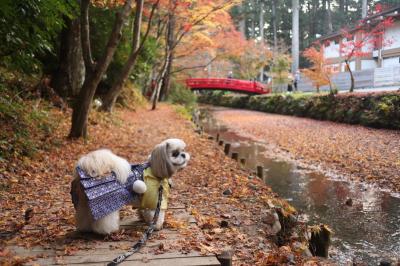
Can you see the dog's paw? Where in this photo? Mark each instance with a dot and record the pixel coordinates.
(139, 187)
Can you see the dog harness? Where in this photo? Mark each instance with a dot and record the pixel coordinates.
(107, 195)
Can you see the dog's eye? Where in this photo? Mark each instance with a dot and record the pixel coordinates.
(175, 153)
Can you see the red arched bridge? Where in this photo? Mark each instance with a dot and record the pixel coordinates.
(236, 85)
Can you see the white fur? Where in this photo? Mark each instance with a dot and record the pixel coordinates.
(147, 216)
(99, 164)
(162, 160)
(183, 158)
(139, 187)
(102, 162)
(166, 158)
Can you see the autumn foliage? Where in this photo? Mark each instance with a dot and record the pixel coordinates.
(360, 41)
(214, 39)
(214, 46)
(318, 73)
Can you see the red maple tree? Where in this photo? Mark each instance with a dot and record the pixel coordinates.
(363, 39)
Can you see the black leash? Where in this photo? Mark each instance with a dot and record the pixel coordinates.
(135, 248)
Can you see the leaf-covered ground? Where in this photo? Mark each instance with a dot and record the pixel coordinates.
(362, 153)
(36, 208)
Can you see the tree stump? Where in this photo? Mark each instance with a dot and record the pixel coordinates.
(260, 171)
(235, 156)
(320, 240)
(227, 148)
(225, 258)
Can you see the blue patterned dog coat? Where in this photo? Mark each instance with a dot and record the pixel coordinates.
(107, 195)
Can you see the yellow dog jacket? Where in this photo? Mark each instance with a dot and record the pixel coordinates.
(150, 197)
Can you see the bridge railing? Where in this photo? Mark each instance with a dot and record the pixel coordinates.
(227, 84)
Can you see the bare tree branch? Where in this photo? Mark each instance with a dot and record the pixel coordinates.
(137, 24)
(194, 67)
(162, 22)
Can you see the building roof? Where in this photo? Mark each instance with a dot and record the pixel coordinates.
(394, 12)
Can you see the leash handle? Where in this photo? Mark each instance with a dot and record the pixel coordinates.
(135, 248)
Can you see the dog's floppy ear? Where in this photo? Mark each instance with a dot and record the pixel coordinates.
(159, 162)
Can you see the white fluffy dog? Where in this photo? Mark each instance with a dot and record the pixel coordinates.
(104, 182)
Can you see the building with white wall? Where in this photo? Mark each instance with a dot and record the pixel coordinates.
(377, 55)
(378, 67)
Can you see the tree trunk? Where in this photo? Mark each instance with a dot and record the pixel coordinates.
(273, 2)
(168, 49)
(261, 21)
(170, 41)
(85, 38)
(351, 76)
(329, 16)
(330, 87)
(364, 8)
(156, 93)
(295, 37)
(69, 76)
(242, 22)
(341, 6)
(166, 81)
(253, 22)
(150, 82)
(313, 24)
(111, 97)
(262, 35)
(82, 105)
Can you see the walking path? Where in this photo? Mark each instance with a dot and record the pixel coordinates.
(232, 210)
(99, 251)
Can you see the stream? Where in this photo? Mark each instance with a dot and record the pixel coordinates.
(366, 230)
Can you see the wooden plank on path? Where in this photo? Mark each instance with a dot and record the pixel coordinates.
(197, 261)
(97, 251)
(84, 259)
(186, 261)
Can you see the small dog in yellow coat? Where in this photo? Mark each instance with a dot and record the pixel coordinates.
(105, 182)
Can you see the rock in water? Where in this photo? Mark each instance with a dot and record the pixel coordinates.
(271, 218)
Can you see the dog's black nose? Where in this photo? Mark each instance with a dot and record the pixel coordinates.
(183, 155)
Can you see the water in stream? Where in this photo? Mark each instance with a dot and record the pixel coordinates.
(367, 231)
